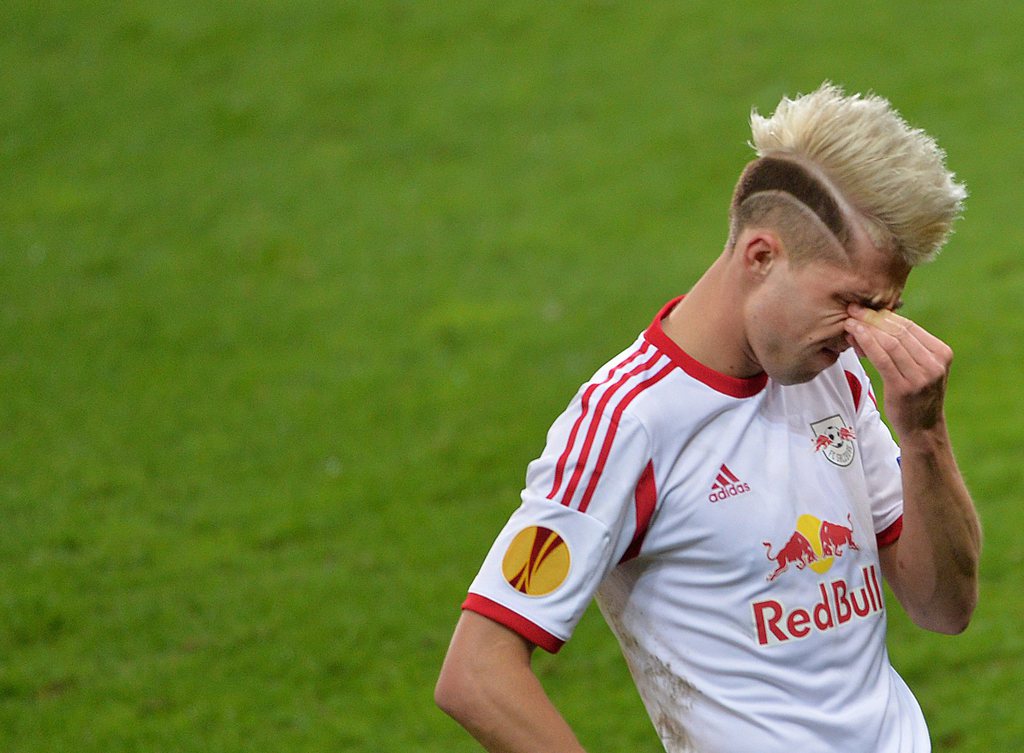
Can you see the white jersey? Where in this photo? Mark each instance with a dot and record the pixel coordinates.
(729, 529)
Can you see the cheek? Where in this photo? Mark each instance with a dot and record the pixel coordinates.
(771, 340)
(771, 308)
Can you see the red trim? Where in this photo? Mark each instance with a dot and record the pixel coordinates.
(595, 424)
(609, 437)
(646, 497)
(584, 405)
(890, 534)
(855, 388)
(727, 385)
(514, 621)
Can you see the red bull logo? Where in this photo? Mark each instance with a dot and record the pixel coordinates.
(815, 543)
(838, 604)
(797, 551)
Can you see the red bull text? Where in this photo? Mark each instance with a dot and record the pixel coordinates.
(838, 604)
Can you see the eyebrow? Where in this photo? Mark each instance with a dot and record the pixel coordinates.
(874, 302)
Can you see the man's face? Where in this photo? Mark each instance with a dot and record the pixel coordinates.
(794, 321)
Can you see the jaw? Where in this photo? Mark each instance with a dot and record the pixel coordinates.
(809, 365)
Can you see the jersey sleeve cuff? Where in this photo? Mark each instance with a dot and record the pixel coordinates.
(890, 534)
(513, 621)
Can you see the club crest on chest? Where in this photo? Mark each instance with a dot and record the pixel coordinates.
(834, 439)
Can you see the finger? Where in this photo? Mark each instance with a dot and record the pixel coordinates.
(898, 326)
(900, 355)
(855, 345)
(906, 348)
(868, 341)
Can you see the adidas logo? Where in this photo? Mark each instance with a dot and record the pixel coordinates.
(727, 484)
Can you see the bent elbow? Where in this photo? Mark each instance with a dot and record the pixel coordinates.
(484, 661)
(950, 626)
(960, 620)
(953, 619)
(454, 693)
(447, 694)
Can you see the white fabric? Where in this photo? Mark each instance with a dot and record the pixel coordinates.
(751, 616)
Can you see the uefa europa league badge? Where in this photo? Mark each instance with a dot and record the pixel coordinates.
(834, 439)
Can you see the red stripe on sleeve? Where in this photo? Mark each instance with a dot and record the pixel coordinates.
(646, 497)
(514, 621)
(595, 424)
(584, 405)
(609, 438)
(855, 388)
(890, 534)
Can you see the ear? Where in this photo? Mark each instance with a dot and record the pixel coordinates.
(760, 251)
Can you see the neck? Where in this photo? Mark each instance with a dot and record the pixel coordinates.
(708, 323)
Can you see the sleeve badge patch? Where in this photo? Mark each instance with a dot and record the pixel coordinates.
(536, 562)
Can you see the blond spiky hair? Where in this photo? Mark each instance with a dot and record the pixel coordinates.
(892, 174)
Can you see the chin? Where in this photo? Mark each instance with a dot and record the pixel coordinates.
(791, 376)
(791, 379)
(803, 367)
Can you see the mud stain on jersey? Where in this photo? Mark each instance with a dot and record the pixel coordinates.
(668, 704)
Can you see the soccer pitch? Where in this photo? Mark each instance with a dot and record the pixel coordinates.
(291, 291)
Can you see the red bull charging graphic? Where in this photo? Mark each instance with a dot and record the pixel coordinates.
(815, 543)
(814, 546)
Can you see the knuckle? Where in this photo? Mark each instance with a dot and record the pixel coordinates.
(891, 345)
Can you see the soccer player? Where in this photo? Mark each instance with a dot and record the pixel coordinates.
(726, 488)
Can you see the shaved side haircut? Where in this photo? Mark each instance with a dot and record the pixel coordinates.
(783, 195)
(893, 175)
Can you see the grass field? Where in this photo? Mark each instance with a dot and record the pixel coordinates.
(290, 292)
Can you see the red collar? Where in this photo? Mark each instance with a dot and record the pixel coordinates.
(728, 385)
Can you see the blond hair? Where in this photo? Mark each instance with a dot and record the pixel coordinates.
(893, 175)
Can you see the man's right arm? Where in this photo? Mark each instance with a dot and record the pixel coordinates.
(488, 686)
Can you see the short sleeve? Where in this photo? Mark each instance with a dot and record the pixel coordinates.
(880, 458)
(576, 521)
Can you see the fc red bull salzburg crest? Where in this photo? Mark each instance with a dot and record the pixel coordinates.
(834, 439)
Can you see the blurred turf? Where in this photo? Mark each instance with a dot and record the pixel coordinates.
(291, 292)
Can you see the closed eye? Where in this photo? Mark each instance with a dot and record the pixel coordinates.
(877, 305)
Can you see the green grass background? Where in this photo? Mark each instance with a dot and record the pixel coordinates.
(291, 291)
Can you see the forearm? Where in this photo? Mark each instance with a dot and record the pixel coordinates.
(488, 686)
(935, 567)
